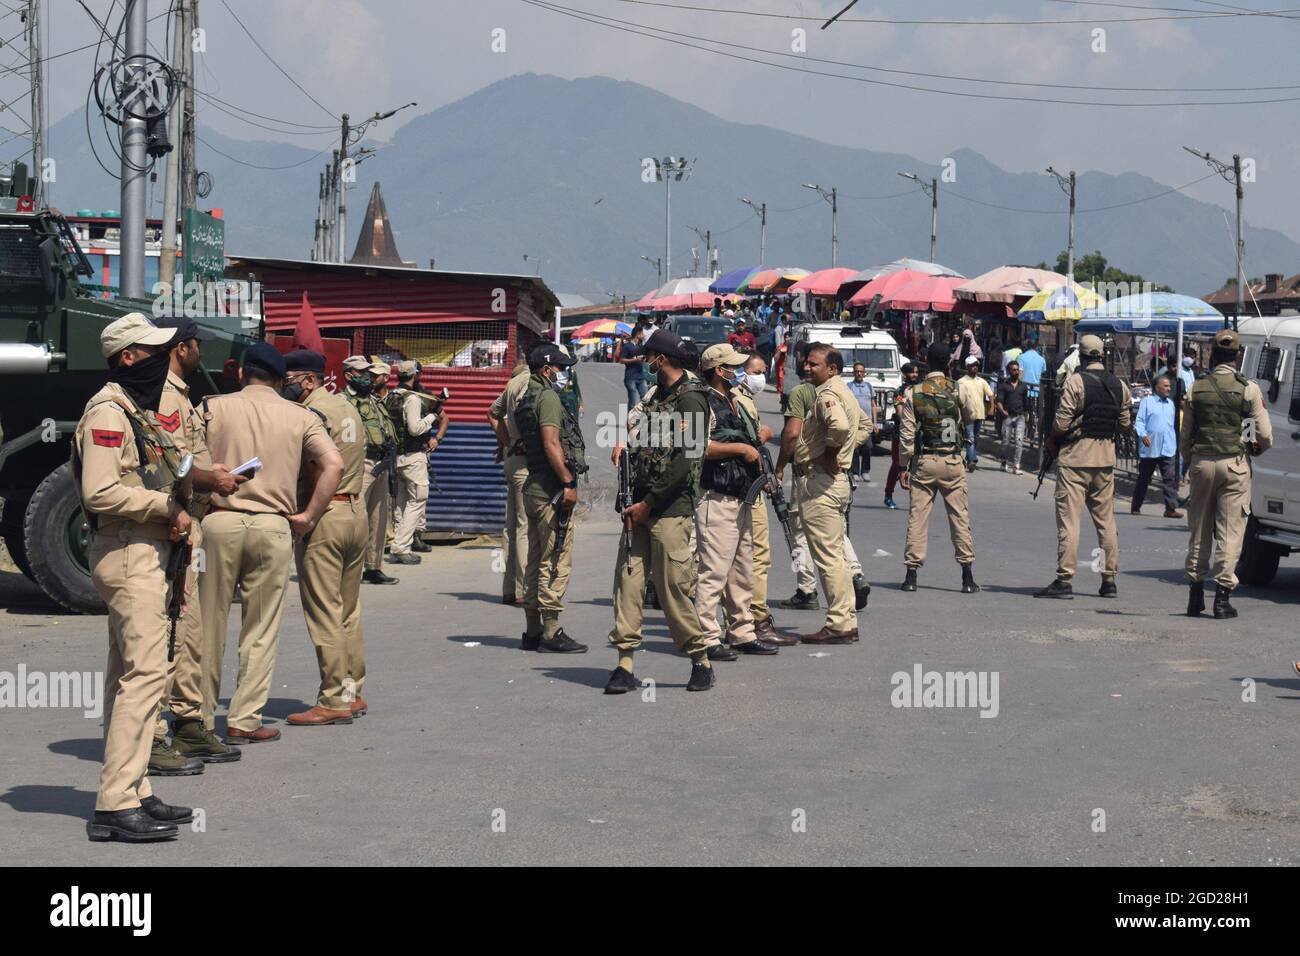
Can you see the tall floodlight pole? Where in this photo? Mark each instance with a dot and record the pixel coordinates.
(33, 27)
(668, 169)
(135, 165)
(760, 210)
(172, 182)
(831, 197)
(1232, 174)
(1067, 186)
(931, 189)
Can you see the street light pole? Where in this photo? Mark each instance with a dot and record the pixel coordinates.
(1067, 184)
(831, 197)
(931, 189)
(658, 264)
(761, 210)
(1232, 174)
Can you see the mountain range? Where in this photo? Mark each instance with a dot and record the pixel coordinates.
(538, 172)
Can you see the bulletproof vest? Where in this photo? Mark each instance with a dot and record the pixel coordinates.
(938, 417)
(372, 418)
(1102, 394)
(530, 431)
(158, 457)
(654, 435)
(1220, 406)
(406, 442)
(729, 476)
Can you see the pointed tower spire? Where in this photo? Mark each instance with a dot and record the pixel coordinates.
(376, 245)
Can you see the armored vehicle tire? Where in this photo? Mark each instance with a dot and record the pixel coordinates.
(1259, 559)
(56, 537)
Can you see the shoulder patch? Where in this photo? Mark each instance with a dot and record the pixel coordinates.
(168, 423)
(106, 438)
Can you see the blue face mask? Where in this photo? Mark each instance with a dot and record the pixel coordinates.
(737, 377)
(561, 378)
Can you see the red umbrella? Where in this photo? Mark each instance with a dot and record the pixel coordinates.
(824, 282)
(645, 301)
(885, 285)
(924, 294)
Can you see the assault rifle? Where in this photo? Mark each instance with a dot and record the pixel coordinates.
(178, 562)
(562, 518)
(388, 464)
(767, 479)
(1049, 452)
(624, 501)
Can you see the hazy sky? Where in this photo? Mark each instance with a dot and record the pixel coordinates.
(368, 55)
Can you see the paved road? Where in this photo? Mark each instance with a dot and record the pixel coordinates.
(1116, 706)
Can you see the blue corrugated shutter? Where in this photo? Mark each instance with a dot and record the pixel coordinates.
(471, 495)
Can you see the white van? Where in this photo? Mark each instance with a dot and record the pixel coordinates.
(1270, 347)
(874, 348)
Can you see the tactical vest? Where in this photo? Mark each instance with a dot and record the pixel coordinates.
(1102, 394)
(1220, 406)
(938, 417)
(372, 418)
(729, 476)
(158, 457)
(530, 432)
(654, 434)
(406, 442)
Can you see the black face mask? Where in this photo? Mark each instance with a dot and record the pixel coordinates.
(144, 380)
(292, 391)
(362, 386)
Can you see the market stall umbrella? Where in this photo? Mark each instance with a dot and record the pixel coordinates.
(691, 285)
(822, 282)
(733, 280)
(644, 303)
(1060, 304)
(601, 327)
(862, 277)
(685, 303)
(772, 280)
(923, 294)
(884, 284)
(1153, 313)
(1005, 284)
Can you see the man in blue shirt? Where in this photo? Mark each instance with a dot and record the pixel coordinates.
(1158, 447)
(866, 397)
(1032, 367)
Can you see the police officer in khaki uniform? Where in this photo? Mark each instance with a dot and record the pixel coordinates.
(184, 697)
(667, 438)
(361, 376)
(931, 423)
(1094, 408)
(724, 525)
(249, 535)
(1224, 422)
(125, 467)
(414, 422)
(330, 558)
(514, 463)
(555, 456)
(832, 429)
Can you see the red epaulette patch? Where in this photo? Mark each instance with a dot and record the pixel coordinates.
(106, 438)
(168, 423)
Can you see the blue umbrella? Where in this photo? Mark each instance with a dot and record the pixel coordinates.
(733, 280)
(1152, 313)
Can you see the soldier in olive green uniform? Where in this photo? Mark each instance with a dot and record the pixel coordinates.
(930, 456)
(1094, 408)
(554, 450)
(331, 557)
(514, 463)
(184, 697)
(1224, 422)
(381, 437)
(666, 443)
(125, 467)
(414, 420)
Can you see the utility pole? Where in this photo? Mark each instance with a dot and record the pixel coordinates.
(1233, 174)
(32, 17)
(1067, 184)
(707, 236)
(189, 124)
(761, 210)
(340, 173)
(320, 214)
(931, 189)
(135, 164)
(172, 180)
(659, 267)
(831, 197)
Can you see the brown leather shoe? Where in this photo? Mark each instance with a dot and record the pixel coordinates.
(261, 735)
(1172, 513)
(359, 707)
(319, 716)
(827, 636)
(765, 630)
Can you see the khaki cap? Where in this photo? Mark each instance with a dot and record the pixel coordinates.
(1227, 340)
(1091, 345)
(356, 363)
(382, 369)
(134, 328)
(406, 369)
(721, 354)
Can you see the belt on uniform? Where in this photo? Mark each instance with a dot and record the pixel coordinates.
(243, 511)
(344, 497)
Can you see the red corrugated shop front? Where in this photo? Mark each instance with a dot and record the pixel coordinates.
(465, 329)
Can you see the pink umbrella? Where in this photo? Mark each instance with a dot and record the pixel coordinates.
(675, 303)
(823, 282)
(884, 284)
(646, 300)
(924, 294)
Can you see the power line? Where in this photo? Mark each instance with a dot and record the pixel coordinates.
(1062, 212)
(670, 36)
(271, 119)
(241, 162)
(282, 70)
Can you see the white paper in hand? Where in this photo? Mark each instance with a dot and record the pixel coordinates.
(250, 467)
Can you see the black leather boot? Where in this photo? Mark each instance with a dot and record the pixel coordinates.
(968, 585)
(1223, 609)
(909, 580)
(1195, 598)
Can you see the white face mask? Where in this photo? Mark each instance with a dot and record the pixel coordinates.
(561, 378)
(1188, 361)
(755, 383)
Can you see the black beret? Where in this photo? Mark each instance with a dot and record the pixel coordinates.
(266, 357)
(304, 360)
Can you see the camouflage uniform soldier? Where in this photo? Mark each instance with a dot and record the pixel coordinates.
(514, 464)
(930, 441)
(381, 452)
(415, 439)
(1224, 422)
